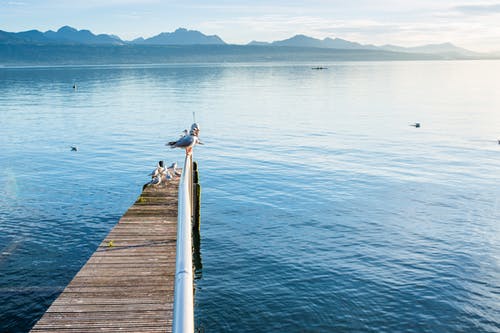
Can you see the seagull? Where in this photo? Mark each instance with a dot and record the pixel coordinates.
(416, 125)
(187, 141)
(173, 167)
(195, 128)
(159, 169)
(156, 180)
(167, 175)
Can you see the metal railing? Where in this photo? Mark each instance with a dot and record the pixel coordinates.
(183, 321)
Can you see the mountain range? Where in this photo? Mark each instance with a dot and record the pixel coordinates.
(70, 36)
(338, 43)
(65, 35)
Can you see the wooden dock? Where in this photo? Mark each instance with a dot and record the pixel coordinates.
(128, 283)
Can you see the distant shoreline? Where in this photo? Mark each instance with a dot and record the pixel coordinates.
(214, 64)
(90, 55)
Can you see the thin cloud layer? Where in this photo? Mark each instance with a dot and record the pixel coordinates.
(479, 9)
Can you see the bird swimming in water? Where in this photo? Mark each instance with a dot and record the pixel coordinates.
(188, 141)
(416, 125)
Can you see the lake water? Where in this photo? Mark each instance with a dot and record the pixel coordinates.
(323, 209)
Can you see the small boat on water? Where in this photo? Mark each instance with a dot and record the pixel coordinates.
(319, 67)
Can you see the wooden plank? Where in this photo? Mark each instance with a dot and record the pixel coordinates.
(127, 285)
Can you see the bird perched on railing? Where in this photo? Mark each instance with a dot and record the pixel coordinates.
(195, 128)
(187, 141)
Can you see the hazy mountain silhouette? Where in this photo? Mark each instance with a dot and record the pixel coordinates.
(71, 46)
(342, 44)
(33, 36)
(181, 36)
(65, 35)
(69, 34)
(444, 48)
(306, 41)
(257, 43)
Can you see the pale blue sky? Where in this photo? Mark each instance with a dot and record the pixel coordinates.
(471, 24)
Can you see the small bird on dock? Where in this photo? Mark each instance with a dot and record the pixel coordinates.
(159, 169)
(188, 141)
(416, 125)
(173, 167)
(156, 180)
(167, 175)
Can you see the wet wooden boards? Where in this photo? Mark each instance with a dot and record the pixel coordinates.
(128, 283)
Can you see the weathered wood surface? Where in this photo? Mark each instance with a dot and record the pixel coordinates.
(128, 283)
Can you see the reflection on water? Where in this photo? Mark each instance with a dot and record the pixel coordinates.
(197, 259)
(323, 210)
(196, 236)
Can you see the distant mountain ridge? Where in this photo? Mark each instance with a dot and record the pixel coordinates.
(181, 36)
(342, 44)
(65, 35)
(69, 35)
(306, 41)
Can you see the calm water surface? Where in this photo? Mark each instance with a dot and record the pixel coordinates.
(323, 210)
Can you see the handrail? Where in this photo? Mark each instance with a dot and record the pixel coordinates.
(183, 321)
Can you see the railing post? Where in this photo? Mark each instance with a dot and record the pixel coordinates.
(183, 321)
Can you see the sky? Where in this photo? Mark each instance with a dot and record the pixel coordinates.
(472, 24)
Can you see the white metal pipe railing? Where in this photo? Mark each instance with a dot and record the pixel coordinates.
(183, 321)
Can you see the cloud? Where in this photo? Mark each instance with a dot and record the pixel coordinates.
(485, 9)
(478, 33)
(15, 3)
